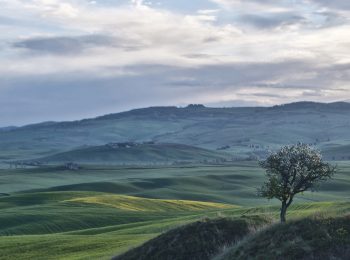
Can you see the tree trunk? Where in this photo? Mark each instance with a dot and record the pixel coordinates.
(283, 211)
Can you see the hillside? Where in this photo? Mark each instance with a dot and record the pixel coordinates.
(309, 238)
(36, 213)
(98, 212)
(200, 240)
(234, 184)
(337, 152)
(241, 131)
(135, 153)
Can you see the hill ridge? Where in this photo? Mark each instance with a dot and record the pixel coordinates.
(337, 104)
(245, 132)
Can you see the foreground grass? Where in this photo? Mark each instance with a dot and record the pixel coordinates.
(68, 246)
(308, 238)
(104, 231)
(200, 240)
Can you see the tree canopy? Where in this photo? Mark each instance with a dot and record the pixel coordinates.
(292, 170)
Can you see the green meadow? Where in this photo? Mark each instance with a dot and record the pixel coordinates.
(99, 212)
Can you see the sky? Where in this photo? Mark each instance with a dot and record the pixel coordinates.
(74, 59)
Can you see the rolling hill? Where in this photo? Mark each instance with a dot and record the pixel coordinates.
(200, 240)
(135, 153)
(241, 131)
(307, 238)
(98, 212)
(98, 225)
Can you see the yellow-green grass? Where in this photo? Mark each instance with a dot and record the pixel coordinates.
(56, 212)
(50, 247)
(99, 228)
(93, 225)
(102, 243)
(130, 203)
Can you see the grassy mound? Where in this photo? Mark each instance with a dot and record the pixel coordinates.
(200, 240)
(57, 212)
(130, 203)
(309, 238)
(135, 154)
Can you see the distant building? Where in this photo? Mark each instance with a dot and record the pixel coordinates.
(72, 166)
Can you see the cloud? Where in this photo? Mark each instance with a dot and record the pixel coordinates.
(55, 8)
(137, 2)
(269, 5)
(64, 45)
(73, 44)
(274, 20)
(126, 54)
(334, 4)
(75, 95)
(285, 4)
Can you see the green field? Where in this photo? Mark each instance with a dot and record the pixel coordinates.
(99, 212)
(135, 154)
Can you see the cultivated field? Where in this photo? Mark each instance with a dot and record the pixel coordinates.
(99, 212)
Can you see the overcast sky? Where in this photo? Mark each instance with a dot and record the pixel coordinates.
(72, 59)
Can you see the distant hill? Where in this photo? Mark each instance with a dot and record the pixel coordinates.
(8, 128)
(337, 152)
(242, 131)
(135, 153)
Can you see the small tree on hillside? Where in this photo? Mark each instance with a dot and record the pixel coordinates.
(292, 170)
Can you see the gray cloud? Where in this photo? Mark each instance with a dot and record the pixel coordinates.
(336, 4)
(183, 55)
(7, 20)
(272, 20)
(73, 44)
(72, 96)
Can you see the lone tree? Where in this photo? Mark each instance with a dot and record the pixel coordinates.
(292, 170)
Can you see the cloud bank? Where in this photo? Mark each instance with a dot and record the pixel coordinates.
(68, 59)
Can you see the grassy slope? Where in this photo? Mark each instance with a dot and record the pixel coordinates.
(67, 227)
(234, 184)
(337, 152)
(55, 212)
(309, 238)
(142, 153)
(200, 240)
(47, 247)
(97, 237)
(70, 227)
